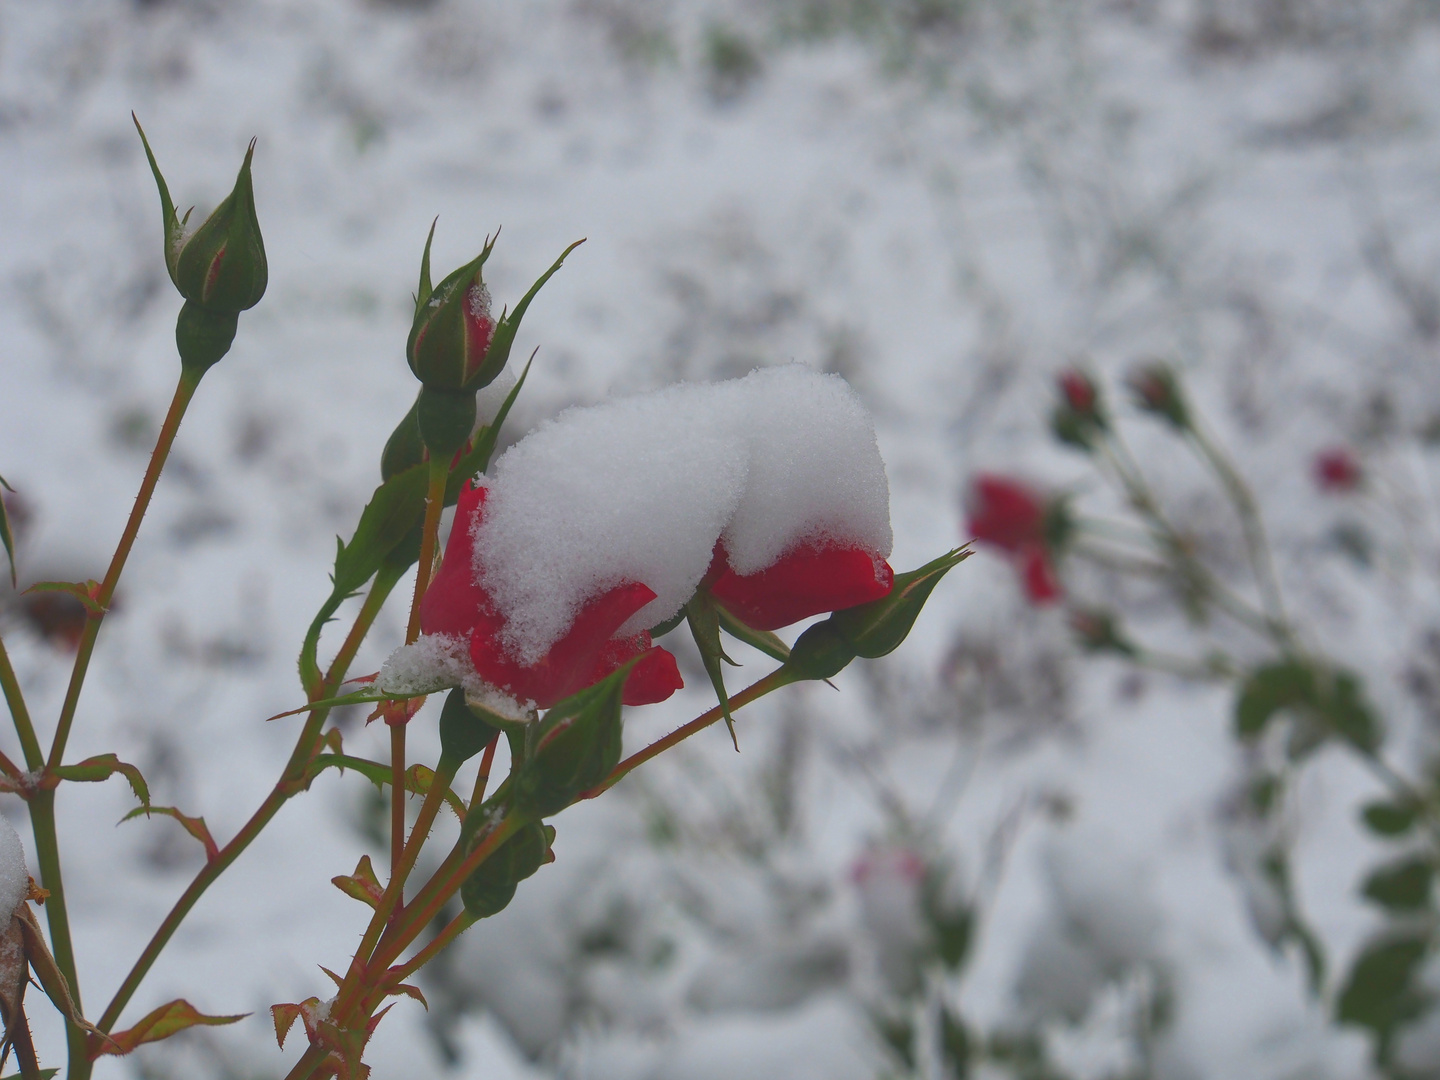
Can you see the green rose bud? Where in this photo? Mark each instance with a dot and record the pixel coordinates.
(222, 265)
(820, 652)
(575, 747)
(450, 337)
(492, 886)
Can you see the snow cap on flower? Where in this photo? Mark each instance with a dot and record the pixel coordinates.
(641, 489)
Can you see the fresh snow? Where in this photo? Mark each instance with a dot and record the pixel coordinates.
(14, 877)
(641, 488)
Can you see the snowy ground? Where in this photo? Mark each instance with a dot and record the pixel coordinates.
(944, 201)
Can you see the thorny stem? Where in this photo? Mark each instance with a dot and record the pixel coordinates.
(453, 929)
(184, 391)
(397, 803)
(390, 904)
(290, 783)
(774, 681)
(42, 807)
(34, 759)
(482, 778)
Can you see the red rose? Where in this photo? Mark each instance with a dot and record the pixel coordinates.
(1006, 513)
(1021, 522)
(456, 604)
(807, 580)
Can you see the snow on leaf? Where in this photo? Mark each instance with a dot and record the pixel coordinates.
(163, 1022)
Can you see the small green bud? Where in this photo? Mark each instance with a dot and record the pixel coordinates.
(575, 747)
(492, 886)
(878, 628)
(203, 336)
(450, 337)
(222, 265)
(1098, 631)
(462, 733)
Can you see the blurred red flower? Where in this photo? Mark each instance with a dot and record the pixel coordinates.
(1337, 471)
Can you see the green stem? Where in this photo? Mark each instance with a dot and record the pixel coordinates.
(34, 758)
(290, 783)
(453, 929)
(184, 391)
(307, 1065)
(47, 854)
(774, 681)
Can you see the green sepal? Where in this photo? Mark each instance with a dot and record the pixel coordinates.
(222, 265)
(508, 325)
(417, 782)
(477, 460)
(203, 336)
(769, 644)
(659, 630)
(397, 505)
(463, 732)
(1384, 990)
(174, 226)
(6, 536)
(423, 292)
(878, 628)
(705, 629)
(819, 653)
(491, 887)
(573, 748)
(404, 449)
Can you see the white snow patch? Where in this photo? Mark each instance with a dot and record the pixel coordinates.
(435, 662)
(14, 876)
(640, 489)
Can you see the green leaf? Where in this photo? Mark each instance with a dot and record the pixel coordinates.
(1382, 991)
(1388, 819)
(394, 509)
(1402, 886)
(45, 1074)
(165, 1021)
(492, 886)
(463, 732)
(7, 537)
(95, 769)
(363, 885)
(84, 591)
(195, 826)
(1268, 690)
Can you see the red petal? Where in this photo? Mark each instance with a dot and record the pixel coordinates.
(1005, 512)
(804, 582)
(570, 663)
(452, 601)
(1041, 584)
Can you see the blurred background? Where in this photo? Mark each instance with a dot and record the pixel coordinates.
(991, 854)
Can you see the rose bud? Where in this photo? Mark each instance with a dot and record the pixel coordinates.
(1157, 390)
(450, 337)
(1077, 419)
(1337, 472)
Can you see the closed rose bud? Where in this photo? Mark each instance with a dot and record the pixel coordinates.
(453, 328)
(1157, 390)
(1078, 419)
(576, 746)
(1098, 631)
(222, 265)
(492, 886)
(878, 628)
(1337, 471)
